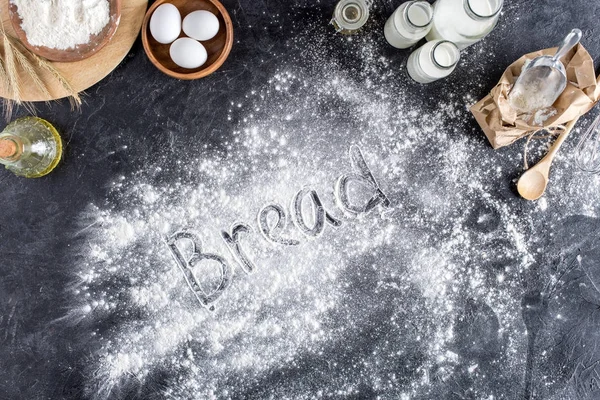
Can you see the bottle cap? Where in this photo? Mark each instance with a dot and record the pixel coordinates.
(8, 148)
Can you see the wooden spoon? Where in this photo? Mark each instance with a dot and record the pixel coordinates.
(533, 182)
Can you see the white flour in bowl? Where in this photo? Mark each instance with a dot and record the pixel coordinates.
(62, 24)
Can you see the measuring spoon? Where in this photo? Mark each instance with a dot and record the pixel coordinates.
(543, 80)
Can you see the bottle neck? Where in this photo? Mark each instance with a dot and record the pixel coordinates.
(495, 6)
(417, 9)
(11, 149)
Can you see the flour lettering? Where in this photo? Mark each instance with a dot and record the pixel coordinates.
(272, 221)
(320, 216)
(235, 247)
(204, 296)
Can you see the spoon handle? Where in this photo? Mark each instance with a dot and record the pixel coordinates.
(568, 43)
(559, 141)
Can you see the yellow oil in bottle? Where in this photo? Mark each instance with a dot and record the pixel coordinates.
(30, 147)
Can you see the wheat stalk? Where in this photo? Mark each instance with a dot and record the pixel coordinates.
(8, 77)
(30, 70)
(12, 75)
(7, 104)
(74, 98)
(15, 52)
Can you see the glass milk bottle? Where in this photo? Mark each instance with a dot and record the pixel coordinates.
(464, 22)
(432, 61)
(408, 24)
(30, 147)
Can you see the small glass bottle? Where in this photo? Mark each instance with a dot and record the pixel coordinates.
(432, 61)
(464, 22)
(410, 23)
(350, 15)
(30, 147)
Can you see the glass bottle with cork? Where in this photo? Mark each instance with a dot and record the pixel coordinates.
(30, 147)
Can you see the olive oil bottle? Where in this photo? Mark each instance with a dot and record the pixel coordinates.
(30, 147)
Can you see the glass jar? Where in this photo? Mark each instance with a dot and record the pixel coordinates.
(30, 147)
(464, 22)
(432, 61)
(350, 15)
(408, 24)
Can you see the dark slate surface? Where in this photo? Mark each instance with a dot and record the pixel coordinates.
(139, 107)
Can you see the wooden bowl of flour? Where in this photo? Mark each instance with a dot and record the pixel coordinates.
(81, 51)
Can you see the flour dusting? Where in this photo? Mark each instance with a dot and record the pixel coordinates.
(410, 302)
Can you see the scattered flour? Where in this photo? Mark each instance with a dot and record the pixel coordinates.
(387, 301)
(541, 116)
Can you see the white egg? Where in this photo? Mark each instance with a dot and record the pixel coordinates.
(188, 53)
(165, 24)
(201, 25)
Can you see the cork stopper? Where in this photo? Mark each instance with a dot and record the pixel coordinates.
(8, 148)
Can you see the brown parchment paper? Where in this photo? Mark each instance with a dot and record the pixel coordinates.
(503, 126)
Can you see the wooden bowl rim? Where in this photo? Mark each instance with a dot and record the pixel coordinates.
(69, 55)
(203, 72)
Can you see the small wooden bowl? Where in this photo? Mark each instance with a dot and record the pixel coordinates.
(80, 52)
(218, 48)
